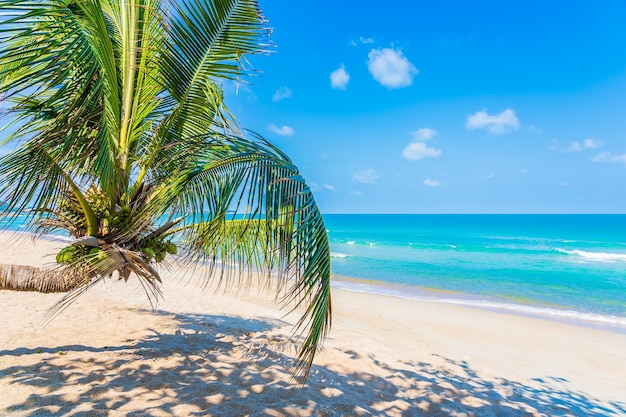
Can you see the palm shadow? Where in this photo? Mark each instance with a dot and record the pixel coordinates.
(219, 365)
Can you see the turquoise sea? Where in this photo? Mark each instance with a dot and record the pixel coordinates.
(565, 267)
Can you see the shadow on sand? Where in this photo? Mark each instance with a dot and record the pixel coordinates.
(225, 366)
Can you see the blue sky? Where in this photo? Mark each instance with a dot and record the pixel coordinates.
(447, 106)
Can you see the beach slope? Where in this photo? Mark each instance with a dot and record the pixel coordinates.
(208, 353)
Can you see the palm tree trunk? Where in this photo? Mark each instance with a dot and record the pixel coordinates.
(30, 278)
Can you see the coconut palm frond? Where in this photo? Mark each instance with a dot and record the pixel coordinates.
(54, 83)
(32, 184)
(209, 39)
(206, 42)
(254, 212)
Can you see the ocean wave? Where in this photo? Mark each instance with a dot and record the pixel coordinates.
(350, 242)
(537, 311)
(595, 256)
(338, 255)
(494, 305)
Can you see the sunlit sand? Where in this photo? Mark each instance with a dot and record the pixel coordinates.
(202, 353)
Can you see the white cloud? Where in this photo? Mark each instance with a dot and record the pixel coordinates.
(583, 146)
(281, 131)
(356, 193)
(610, 158)
(316, 187)
(362, 41)
(424, 134)
(281, 94)
(391, 68)
(339, 78)
(524, 171)
(491, 175)
(497, 124)
(368, 176)
(431, 183)
(419, 150)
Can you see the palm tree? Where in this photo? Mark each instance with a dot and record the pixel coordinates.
(123, 140)
(31, 278)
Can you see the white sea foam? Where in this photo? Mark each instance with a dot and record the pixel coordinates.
(617, 322)
(538, 311)
(595, 256)
(351, 242)
(338, 255)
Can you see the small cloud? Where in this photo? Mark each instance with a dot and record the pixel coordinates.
(534, 130)
(524, 171)
(281, 94)
(609, 158)
(563, 184)
(281, 131)
(339, 78)
(368, 176)
(356, 193)
(362, 41)
(582, 146)
(419, 150)
(316, 187)
(424, 134)
(431, 183)
(491, 175)
(391, 68)
(497, 124)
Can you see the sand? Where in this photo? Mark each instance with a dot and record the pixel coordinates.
(225, 354)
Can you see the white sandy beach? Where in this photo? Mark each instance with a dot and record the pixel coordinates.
(203, 353)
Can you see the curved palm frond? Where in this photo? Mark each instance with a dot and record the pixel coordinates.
(33, 183)
(53, 80)
(206, 41)
(209, 40)
(249, 210)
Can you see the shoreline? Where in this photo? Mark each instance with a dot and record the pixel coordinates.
(228, 353)
(531, 308)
